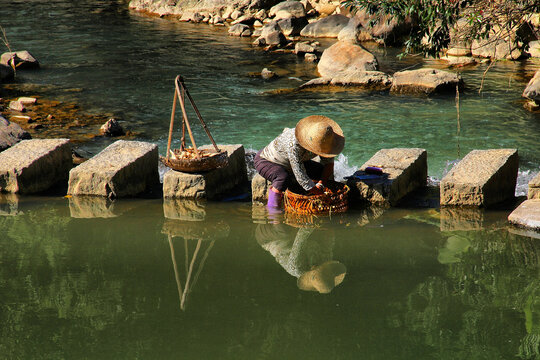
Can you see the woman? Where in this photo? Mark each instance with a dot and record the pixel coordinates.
(291, 153)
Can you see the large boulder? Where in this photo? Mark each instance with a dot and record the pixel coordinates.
(212, 184)
(292, 26)
(502, 43)
(482, 178)
(425, 81)
(240, 30)
(384, 27)
(10, 134)
(23, 59)
(532, 91)
(271, 34)
(288, 9)
(123, 169)
(33, 166)
(368, 80)
(403, 171)
(351, 31)
(329, 26)
(534, 49)
(345, 58)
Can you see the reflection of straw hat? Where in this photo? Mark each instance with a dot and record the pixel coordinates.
(323, 278)
(320, 135)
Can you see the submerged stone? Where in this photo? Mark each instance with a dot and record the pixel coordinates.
(33, 166)
(124, 168)
(212, 184)
(481, 178)
(527, 214)
(403, 170)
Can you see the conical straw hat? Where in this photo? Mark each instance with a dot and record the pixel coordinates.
(320, 135)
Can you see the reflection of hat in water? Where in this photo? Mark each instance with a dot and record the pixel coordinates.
(323, 278)
(320, 135)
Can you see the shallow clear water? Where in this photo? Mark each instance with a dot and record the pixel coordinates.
(92, 279)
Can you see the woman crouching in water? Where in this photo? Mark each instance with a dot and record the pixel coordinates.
(291, 154)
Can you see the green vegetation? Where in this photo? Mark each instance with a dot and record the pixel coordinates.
(438, 23)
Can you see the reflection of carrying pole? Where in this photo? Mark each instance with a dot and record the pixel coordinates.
(176, 274)
(182, 294)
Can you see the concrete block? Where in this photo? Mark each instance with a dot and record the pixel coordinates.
(259, 189)
(211, 184)
(481, 178)
(534, 188)
(404, 170)
(32, 166)
(527, 214)
(124, 168)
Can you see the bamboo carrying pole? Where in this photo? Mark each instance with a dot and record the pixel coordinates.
(171, 125)
(185, 119)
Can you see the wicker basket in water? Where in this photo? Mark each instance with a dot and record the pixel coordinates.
(333, 201)
(208, 161)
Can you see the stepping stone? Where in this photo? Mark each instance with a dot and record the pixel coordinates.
(213, 184)
(33, 166)
(123, 169)
(534, 188)
(404, 170)
(481, 178)
(259, 189)
(527, 214)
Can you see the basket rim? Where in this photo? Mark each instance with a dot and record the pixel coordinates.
(344, 190)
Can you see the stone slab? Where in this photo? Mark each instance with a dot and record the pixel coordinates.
(259, 189)
(211, 184)
(123, 169)
(534, 188)
(482, 178)
(527, 214)
(404, 170)
(33, 166)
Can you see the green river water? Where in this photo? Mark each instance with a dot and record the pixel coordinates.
(148, 279)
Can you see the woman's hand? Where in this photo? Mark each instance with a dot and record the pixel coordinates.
(318, 189)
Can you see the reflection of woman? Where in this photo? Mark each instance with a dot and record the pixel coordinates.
(307, 258)
(292, 153)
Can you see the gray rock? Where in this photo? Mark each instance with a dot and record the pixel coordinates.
(212, 184)
(259, 189)
(482, 178)
(534, 49)
(527, 214)
(267, 74)
(425, 81)
(500, 44)
(310, 57)
(301, 48)
(329, 26)
(16, 106)
(287, 9)
(23, 59)
(404, 170)
(10, 134)
(6, 74)
(534, 188)
(384, 27)
(351, 31)
(271, 34)
(239, 30)
(33, 166)
(345, 57)
(112, 128)
(532, 91)
(124, 168)
(369, 80)
(244, 19)
(459, 60)
(236, 14)
(292, 26)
